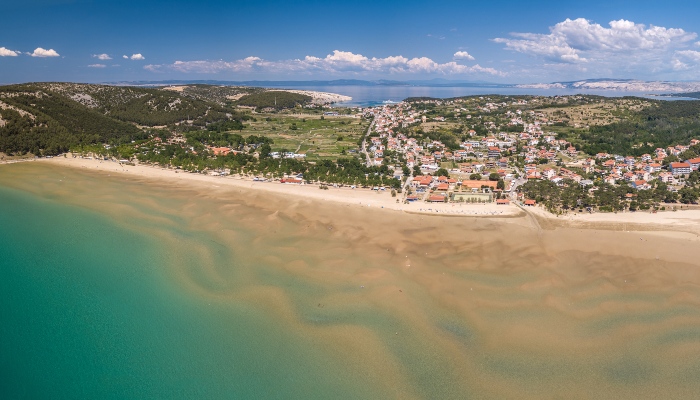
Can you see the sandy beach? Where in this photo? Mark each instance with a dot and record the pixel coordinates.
(351, 197)
(318, 97)
(682, 221)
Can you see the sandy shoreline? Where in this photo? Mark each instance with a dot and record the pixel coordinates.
(318, 97)
(355, 197)
(685, 221)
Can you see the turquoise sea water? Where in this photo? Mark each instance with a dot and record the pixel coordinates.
(88, 311)
(115, 286)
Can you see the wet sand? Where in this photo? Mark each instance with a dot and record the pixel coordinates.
(426, 306)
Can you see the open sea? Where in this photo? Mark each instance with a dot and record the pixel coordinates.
(368, 96)
(116, 287)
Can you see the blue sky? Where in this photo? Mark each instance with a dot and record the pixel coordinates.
(496, 41)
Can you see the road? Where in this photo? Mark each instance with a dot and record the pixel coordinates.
(518, 182)
(364, 142)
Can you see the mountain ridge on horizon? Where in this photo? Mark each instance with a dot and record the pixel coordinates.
(604, 84)
(620, 84)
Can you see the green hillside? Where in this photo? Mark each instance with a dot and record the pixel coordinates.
(49, 118)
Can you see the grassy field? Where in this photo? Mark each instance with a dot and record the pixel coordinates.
(435, 125)
(308, 134)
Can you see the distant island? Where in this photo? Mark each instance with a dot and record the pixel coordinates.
(600, 84)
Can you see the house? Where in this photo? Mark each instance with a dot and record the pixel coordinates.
(530, 203)
(680, 168)
(220, 151)
(641, 185)
(654, 167)
(502, 202)
(436, 198)
(422, 181)
(666, 177)
(694, 163)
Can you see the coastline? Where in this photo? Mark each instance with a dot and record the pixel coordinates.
(365, 198)
(681, 223)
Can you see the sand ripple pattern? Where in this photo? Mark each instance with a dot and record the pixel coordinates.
(427, 307)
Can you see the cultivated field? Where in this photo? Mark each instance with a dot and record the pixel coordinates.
(327, 138)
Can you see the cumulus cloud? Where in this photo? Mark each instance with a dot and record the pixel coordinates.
(137, 57)
(335, 63)
(463, 55)
(40, 52)
(8, 53)
(97, 66)
(102, 56)
(580, 40)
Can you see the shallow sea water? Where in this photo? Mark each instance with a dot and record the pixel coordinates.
(117, 287)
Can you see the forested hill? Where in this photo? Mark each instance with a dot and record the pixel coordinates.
(274, 99)
(664, 123)
(48, 118)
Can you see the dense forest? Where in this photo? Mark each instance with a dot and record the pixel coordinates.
(274, 99)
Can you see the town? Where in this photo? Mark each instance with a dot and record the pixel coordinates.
(527, 150)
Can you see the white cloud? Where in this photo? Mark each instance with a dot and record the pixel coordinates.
(463, 55)
(137, 57)
(679, 65)
(153, 68)
(102, 56)
(39, 52)
(97, 66)
(580, 40)
(8, 53)
(125, 57)
(691, 55)
(338, 62)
